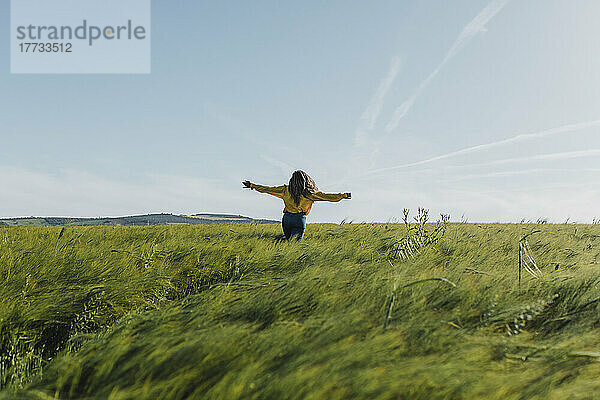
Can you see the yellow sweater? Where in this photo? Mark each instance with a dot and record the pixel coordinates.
(305, 202)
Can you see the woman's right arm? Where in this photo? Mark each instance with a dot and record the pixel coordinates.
(276, 191)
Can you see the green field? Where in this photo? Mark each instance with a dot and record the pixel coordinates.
(133, 220)
(230, 311)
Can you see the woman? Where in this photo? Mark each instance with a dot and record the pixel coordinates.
(298, 198)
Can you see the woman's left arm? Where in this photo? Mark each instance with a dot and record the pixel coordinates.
(276, 191)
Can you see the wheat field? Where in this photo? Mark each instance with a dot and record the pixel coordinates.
(228, 311)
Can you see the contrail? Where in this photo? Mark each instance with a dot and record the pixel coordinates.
(476, 26)
(369, 117)
(373, 110)
(565, 129)
(364, 144)
(516, 139)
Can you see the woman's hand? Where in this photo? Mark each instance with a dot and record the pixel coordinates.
(247, 184)
(348, 195)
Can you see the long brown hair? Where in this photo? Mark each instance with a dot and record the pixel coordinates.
(301, 185)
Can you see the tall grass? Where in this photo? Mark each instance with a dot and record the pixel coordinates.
(230, 311)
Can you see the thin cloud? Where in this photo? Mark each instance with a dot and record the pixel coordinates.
(503, 174)
(592, 187)
(285, 168)
(565, 155)
(472, 29)
(78, 193)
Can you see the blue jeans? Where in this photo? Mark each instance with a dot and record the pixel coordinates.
(293, 225)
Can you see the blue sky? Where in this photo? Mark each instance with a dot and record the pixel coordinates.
(487, 109)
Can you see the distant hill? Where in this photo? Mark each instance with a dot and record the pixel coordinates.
(135, 220)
